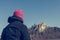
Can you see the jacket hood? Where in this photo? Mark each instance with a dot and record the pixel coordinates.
(14, 18)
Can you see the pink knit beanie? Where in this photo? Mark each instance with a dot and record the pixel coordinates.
(18, 13)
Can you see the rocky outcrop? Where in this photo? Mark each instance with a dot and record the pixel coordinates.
(43, 32)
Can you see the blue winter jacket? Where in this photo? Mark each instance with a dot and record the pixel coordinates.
(15, 30)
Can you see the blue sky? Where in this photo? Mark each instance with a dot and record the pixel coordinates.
(35, 11)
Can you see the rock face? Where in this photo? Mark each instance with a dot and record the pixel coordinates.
(42, 32)
(41, 27)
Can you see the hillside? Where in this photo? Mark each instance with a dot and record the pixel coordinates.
(42, 32)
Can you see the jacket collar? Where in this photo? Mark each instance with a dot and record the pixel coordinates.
(14, 18)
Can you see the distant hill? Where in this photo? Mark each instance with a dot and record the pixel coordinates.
(42, 32)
